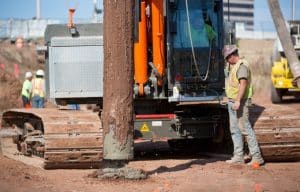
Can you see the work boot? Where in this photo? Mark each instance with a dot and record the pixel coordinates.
(247, 158)
(258, 161)
(236, 160)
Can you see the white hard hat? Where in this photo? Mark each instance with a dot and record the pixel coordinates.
(228, 50)
(40, 72)
(28, 74)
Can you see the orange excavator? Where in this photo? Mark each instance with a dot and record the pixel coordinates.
(178, 89)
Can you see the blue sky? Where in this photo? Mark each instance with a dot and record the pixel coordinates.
(50, 9)
(262, 16)
(57, 9)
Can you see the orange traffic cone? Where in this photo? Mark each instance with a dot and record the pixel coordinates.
(255, 165)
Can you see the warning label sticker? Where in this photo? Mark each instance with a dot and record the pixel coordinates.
(156, 123)
(144, 128)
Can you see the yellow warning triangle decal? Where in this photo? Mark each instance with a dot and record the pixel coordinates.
(144, 128)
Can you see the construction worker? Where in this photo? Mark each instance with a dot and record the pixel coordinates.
(26, 90)
(38, 89)
(239, 92)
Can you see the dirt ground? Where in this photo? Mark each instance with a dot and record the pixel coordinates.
(167, 172)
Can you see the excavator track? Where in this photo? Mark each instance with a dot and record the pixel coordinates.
(73, 139)
(70, 138)
(277, 129)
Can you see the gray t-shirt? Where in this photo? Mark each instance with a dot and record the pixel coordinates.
(242, 72)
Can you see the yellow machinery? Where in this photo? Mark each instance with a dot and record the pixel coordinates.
(281, 74)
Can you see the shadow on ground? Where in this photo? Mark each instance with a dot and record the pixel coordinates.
(197, 155)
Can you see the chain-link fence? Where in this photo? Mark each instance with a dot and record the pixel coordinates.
(12, 28)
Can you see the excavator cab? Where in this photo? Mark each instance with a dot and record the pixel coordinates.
(195, 41)
(178, 50)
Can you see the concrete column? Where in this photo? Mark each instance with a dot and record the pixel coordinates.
(117, 115)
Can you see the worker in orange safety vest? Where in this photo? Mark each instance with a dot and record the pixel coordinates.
(38, 89)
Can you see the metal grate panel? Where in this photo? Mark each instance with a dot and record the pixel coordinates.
(76, 67)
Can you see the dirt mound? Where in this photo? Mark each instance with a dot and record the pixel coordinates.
(11, 94)
(26, 57)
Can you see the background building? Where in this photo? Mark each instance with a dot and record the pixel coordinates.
(241, 12)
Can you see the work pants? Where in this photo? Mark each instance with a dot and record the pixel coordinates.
(37, 101)
(240, 126)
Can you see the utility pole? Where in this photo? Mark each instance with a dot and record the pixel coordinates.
(293, 9)
(228, 10)
(285, 40)
(117, 115)
(38, 9)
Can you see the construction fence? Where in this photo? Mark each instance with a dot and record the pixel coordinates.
(30, 28)
(27, 29)
(35, 28)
